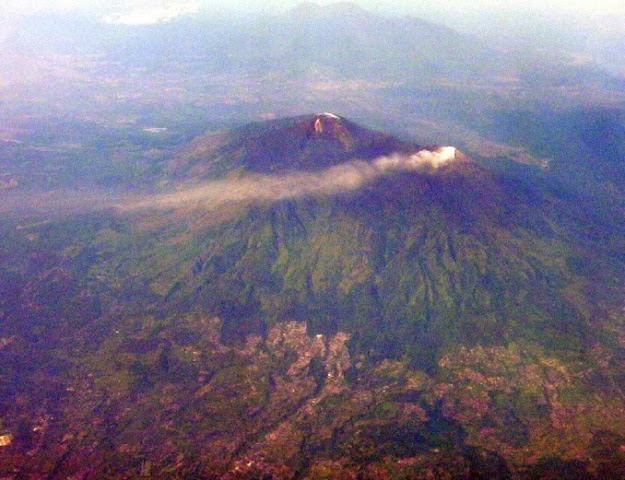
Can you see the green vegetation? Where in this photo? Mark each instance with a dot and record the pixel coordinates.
(426, 326)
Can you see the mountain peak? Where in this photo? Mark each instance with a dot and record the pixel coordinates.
(326, 117)
(307, 142)
(329, 123)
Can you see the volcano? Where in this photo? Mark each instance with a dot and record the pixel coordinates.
(433, 322)
(408, 264)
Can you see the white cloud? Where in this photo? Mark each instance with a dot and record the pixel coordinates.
(154, 14)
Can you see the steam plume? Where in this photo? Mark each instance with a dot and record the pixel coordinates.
(271, 188)
(214, 194)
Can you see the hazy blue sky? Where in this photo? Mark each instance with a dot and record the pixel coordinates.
(12, 7)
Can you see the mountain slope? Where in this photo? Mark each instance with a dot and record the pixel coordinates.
(432, 321)
(309, 142)
(458, 255)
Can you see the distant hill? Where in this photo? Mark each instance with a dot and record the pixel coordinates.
(342, 38)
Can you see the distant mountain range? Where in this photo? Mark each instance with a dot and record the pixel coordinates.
(341, 39)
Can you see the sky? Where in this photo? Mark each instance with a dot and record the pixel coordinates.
(20, 7)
